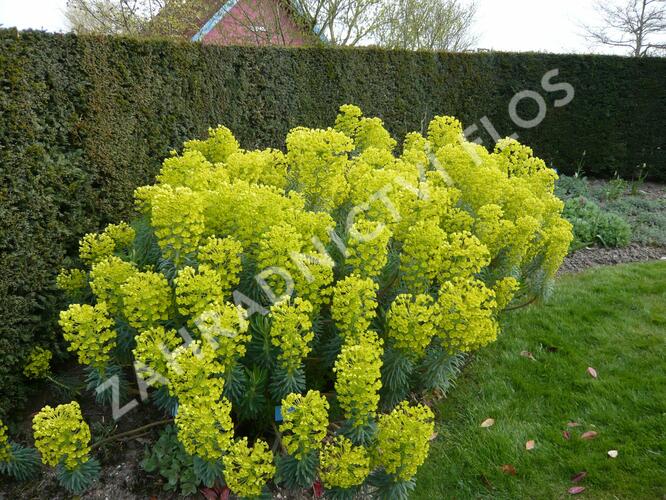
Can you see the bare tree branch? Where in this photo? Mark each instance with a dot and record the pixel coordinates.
(411, 24)
(638, 25)
(428, 24)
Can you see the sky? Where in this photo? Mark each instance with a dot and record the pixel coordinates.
(507, 25)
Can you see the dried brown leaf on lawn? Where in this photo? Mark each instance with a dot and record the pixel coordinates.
(509, 469)
(589, 435)
(579, 477)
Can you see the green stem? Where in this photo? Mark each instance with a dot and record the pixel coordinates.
(64, 386)
(138, 430)
(522, 305)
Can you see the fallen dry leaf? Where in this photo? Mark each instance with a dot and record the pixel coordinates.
(488, 422)
(574, 490)
(573, 424)
(433, 436)
(612, 453)
(527, 354)
(529, 445)
(588, 435)
(566, 435)
(509, 469)
(578, 477)
(592, 372)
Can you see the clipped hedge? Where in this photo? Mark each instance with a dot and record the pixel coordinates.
(84, 120)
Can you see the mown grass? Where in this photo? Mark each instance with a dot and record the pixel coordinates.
(611, 319)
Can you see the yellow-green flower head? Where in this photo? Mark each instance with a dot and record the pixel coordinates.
(89, 332)
(377, 159)
(146, 299)
(62, 436)
(276, 248)
(465, 314)
(420, 257)
(415, 142)
(153, 350)
(354, 305)
(358, 378)
(523, 237)
(248, 469)
(247, 211)
(557, 239)
(193, 372)
(38, 364)
(368, 248)
(177, 215)
(305, 423)
(5, 447)
(284, 260)
(197, 290)
(343, 465)
(224, 255)
(191, 170)
(122, 234)
(348, 119)
(410, 325)
(291, 332)
(220, 144)
(505, 289)
(268, 166)
(366, 132)
(72, 281)
(372, 134)
(403, 440)
(318, 162)
(204, 424)
(492, 229)
(95, 247)
(445, 130)
(106, 278)
(224, 330)
(517, 159)
(461, 255)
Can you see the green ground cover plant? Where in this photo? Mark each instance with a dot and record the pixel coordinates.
(535, 383)
(613, 213)
(646, 216)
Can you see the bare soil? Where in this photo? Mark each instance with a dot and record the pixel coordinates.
(593, 257)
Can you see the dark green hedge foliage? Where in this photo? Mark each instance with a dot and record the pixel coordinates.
(83, 121)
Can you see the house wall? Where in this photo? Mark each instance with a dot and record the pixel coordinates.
(257, 22)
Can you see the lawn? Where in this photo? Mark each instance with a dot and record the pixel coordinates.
(611, 319)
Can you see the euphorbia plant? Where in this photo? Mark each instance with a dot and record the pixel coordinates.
(291, 303)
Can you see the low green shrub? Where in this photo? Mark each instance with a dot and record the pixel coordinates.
(646, 216)
(594, 226)
(84, 120)
(298, 311)
(572, 186)
(168, 458)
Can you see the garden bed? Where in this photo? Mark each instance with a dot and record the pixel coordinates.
(595, 256)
